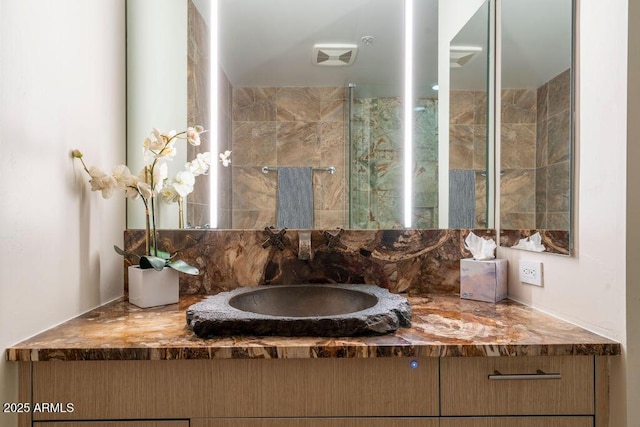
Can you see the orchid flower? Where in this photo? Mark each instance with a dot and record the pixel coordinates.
(225, 158)
(158, 147)
(200, 165)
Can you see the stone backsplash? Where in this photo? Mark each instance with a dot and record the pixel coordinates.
(412, 261)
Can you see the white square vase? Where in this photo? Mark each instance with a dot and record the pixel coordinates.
(149, 288)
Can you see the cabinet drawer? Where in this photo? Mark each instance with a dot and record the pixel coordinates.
(518, 422)
(385, 386)
(318, 422)
(517, 385)
(115, 424)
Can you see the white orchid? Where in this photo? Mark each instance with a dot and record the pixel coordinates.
(133, 191)
(144, 189)
(160, 174)
(225, 158)
(184, 183)
(200, 165)
(150, 182)
(179, 187)
(168, 152)
(169, 193)
(102, 181)
(160, 146)
(155, 141)
(193, 135)
(123, 176)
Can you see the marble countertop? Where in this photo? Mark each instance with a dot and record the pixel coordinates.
(442, 326)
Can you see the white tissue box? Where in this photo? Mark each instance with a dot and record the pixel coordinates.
(483, 280)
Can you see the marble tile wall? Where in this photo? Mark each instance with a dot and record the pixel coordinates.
(376, 164)
(412, 261)
(468, 142)
(287, 126)
(198, 101)
(553, 167)
(536, 156)
(518, 162)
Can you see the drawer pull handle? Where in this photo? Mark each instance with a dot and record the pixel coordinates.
(539, 375)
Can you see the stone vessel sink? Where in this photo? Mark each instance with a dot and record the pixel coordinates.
(300, 310)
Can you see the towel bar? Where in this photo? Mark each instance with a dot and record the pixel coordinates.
(330, 169)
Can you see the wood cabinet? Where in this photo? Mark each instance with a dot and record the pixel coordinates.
(546, 391)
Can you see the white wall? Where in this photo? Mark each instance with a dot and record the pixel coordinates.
(62, 86)
(589, 289)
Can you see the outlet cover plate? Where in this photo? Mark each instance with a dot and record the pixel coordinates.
(531, 272)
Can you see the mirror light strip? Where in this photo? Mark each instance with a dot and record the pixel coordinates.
(408, 112)
(213, 117)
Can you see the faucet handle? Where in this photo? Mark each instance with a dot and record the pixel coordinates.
(274, 238)
(333, 239)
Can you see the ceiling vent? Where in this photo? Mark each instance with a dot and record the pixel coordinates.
(334, 55)
(459, 56)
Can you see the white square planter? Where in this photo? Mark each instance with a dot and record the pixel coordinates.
(149, 288)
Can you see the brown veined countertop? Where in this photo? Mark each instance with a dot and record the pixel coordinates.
(442, 326)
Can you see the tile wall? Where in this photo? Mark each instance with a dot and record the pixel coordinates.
(468, 142)
(536, 156)
(553, 166)
(287, 126)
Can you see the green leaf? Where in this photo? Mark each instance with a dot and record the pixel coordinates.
(124, 253)
(161, 254)
(183, 267)
(152, 262)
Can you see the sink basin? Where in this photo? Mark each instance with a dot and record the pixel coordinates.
(300, 310)
(303, 301)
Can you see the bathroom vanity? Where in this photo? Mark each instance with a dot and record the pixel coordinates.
(461, 364)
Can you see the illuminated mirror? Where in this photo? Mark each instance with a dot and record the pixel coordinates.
(319, 85)
(536, 124)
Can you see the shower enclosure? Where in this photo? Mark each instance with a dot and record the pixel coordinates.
(376, 161)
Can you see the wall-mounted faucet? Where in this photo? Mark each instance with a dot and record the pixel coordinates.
(305, 252)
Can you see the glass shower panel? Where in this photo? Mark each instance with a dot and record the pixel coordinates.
(375, 160)
(425, 158)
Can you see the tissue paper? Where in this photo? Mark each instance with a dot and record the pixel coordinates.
(483, 280)
(532, 243)
(480, 248)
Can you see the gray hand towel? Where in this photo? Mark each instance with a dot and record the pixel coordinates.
(295, 197)
(462, 198)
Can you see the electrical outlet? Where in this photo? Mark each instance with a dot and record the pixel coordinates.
(531, 272)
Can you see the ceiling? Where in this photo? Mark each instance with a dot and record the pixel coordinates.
(536, 41)
(270, 43)
(277, 51)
